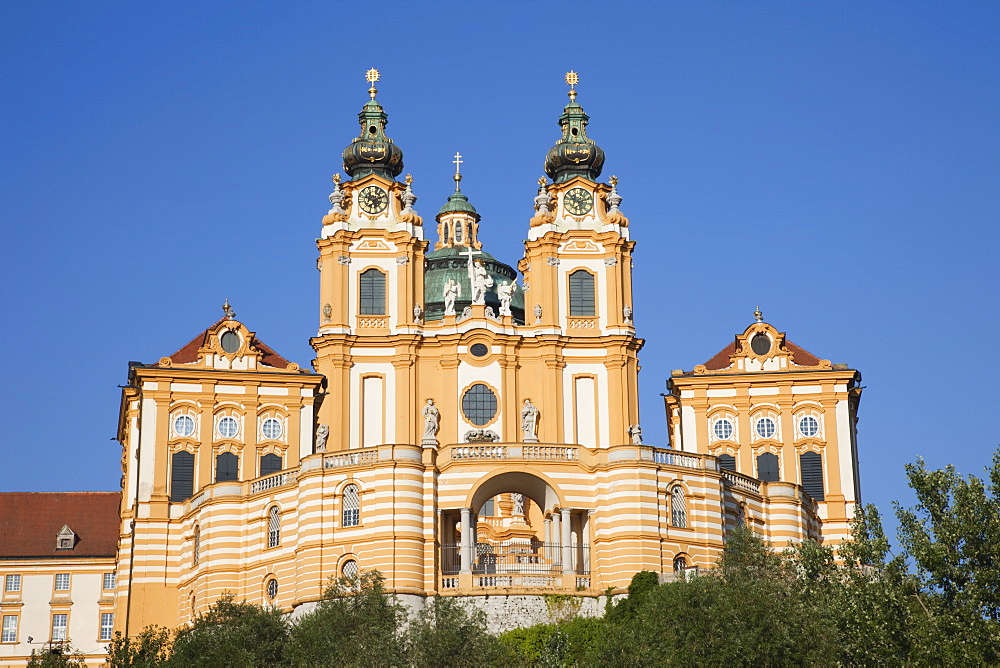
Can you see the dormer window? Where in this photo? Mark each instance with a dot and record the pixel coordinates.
(65, 539)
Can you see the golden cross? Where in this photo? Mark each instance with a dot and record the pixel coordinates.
(572, 78)
(458, 161)
(371, 75)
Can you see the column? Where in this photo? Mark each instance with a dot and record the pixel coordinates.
(585, 541)
(466, 548)
(556, 534)
(567, 541)
(547, 539)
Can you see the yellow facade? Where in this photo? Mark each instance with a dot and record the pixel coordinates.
(459, 450)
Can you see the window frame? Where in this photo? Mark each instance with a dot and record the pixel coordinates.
(64, 616)
(106, 631)
(350, 506)
(113, 578)
(678, 507)
(229, 458)
(273, 527)
(176, 495)
(11, 578)
(372, 280)
(576, 302)
(56, 581)
(4, 630)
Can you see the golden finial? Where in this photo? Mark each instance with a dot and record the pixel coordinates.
(613, 180)
(372, 76)
(572, 79)
(458, 173)
(228, 310)
(758, 315)
(542, 181)
(409, 179)
(336, 178)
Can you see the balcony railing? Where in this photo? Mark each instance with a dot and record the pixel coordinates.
(350, 458)
(543, 560)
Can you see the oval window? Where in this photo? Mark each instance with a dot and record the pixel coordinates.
(760, 343)
(809, 426)
(723, 429)
(766, 427)
(230, 342)
(272, 588)
(183, 425)
(479, 350)
(479, 405)
(228, 427)
(271, 428)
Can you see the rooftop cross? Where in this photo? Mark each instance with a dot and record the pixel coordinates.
(458, 171)
(372, 76)
(572, 78)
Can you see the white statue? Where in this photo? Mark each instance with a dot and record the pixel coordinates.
(417, 313)
(452, 291)
(506, 292)
(635, 431)
(538, 313)
(518, 500)
(322, 433)
(529, 421)
(432, 417)
(479, 279)
(627, 314)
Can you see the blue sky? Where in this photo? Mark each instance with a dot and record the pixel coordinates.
(836, 163)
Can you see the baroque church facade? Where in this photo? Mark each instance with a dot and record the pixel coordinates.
(463, 431)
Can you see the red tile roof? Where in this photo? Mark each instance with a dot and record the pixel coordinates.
(800, 356)
(29, 522)
(189, 353)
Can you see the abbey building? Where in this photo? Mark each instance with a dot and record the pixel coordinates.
(467, 427)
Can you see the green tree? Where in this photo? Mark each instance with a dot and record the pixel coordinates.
(56, 657)
(231, 634)
(446, 633)
(952, 536)
(356, 624)
(149, 649)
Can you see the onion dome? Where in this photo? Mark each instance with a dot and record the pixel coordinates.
(574, 154)
(458, 202)
(372, 152)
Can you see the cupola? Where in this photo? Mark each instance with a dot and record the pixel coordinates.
(372, 152)
(574, 154)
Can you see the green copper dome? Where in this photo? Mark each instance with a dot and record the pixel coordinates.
(372, 152)
(458, 202)
(575, 154)
(452, 263)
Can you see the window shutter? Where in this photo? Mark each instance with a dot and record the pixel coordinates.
(812, 474)
(767, 467)
(372, 292)
(581, 293)
(226, 467)
(727, 462)
(181, 476)
(270, 464)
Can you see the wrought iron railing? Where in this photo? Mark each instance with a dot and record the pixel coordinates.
(516, 558)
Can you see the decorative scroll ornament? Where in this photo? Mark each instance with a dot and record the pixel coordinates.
(543, 214)
(408, 215)
(614, 216)
(481, 436)
(337, 214)
(343, 259)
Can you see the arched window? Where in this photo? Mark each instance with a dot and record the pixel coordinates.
(227, 467)
(680, 564)
(352, 507)
(812, 474)
(272, 588)
(678, 509)
(181, 476)
(581, 293)
(196, 550)
(273, 527)
(767, 467)
(270, 464)
(727, 462)
(349, 569)
(372, 292)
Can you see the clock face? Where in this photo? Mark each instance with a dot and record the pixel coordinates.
(372, 199)
(578, 201)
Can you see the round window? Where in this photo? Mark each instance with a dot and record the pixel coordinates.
(766, 428)
(271, 428)
(230, 341)
(809, 426)
(228, 427)
(760, 343)
(479, 350)
(272, 588)
(723, 428)
(350, 569)
(183, 425)
(479, 405)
